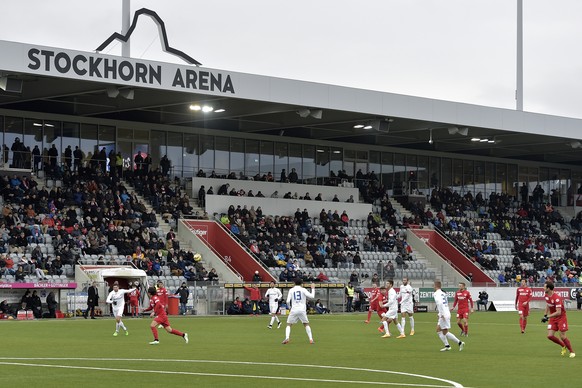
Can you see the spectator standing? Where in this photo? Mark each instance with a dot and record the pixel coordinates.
(92, 300)
(184, 294)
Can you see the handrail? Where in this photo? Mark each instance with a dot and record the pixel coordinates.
(243, 246)
(226, 262)
(462, 251)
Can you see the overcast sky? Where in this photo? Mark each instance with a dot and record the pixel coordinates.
(458, 50)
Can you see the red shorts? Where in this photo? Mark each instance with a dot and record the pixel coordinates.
(523, 311)
(374, 307)
(133, 302)
(558, 324)
(162, 320)
(382, 310)
(464, 314)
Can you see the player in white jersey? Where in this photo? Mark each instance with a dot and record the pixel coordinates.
(117, 299)
(392, 314)
(407, 305)
(274, 295)
(297, 299)
(444, 322)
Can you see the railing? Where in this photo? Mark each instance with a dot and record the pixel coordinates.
(242, 245)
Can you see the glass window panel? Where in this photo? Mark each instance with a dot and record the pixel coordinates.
(106, 134)
(221, 155)
(295, 159)
(411, 174)
(141, 134)
(512, 178)
(422, 174)
(435, 171)
(501, 178)
(447, 172)
(33, 132)
(125, 133)
(374, 165)
(322, 162)
(191, 151)
(206, 158)
(88, 140)
(336, 163)
(13, 129)
(468, 179)
(52, 136)
(399, 174)
(251, 157)
(267, 159)
(281, 159)
(458, 175)
(308, 163)
(180, 155)
(71, 135)
(158, 147)
(387, 173)
(237, 156)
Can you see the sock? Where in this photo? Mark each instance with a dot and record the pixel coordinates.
(452, 337)
(287, 332)
(524, 324)
(116, 326)
(277, 318)
(568, 344)
(272, 320)
(443, 338)
(400, 329)
(411, 324)
(385, 324)
(155, 332)
(460, 326)
(369, 314)
(521, 323)
(403, 323)
(122, 325)
(555, 339)
(467, 328)
(176, 332)
(308, 331)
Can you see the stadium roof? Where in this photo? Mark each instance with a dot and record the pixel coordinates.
(60, 83)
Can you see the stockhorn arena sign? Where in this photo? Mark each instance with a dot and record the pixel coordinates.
(119, 70)
(95, 67)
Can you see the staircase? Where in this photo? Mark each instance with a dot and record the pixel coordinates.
(163, 225)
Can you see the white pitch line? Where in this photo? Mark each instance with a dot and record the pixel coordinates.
(452, 383)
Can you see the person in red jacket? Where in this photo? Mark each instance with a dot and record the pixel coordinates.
(255, 297)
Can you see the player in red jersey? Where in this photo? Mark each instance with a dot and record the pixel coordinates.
(382, 300)
(462, 300)
(160, 317)
(134, 301)
(522, 299)
(162, 293)
(375, 298)
(556, 314)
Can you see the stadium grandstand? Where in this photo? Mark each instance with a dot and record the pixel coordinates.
(214, 177)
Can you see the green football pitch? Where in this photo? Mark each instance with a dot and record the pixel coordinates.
(241, 351)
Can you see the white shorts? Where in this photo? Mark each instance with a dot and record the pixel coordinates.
(118, 310)
(391, 314)
(295, 316)
(445, 322)
(274, 308)
(407, 308)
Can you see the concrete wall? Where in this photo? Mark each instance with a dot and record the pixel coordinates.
(433, 258)
(210, 259)
(278, 206)
(268, 188)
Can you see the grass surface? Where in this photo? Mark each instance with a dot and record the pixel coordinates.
(241, 351)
